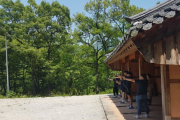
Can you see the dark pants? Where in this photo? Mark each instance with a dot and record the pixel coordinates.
(119, 89)
(142, 99)
(115, 91)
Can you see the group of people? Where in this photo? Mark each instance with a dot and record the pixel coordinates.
(144, 90)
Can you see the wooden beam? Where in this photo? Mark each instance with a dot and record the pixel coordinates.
(123, 55)
(129, 43)
(165, 89)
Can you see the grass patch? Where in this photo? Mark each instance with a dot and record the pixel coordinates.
(12, 94)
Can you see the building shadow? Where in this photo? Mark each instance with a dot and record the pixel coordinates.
(155, 108)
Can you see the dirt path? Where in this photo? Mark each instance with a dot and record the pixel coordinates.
(54, 108)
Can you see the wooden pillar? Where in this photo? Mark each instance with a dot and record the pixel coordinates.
(165, 90)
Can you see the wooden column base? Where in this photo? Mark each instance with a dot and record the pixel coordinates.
(168, 118)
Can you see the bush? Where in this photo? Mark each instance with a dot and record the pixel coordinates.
(1, 96)
(10, 94)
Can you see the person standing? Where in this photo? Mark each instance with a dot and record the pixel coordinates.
(141, 97)
(115, 88)
(119, 81)
(119, 86)
(128, 89)
(123, 87)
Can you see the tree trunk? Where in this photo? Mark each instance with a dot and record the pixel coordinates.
(107, 71)
(33, 82)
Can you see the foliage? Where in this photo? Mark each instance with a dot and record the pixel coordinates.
(10, 94)
(158, 2)
(47, 57)
(101, 32)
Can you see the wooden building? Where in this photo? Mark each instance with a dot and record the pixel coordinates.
(152, 45)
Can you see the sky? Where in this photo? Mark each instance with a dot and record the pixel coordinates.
(78, 5)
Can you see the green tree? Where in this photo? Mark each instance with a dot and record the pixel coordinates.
(35, 32)
(105, 26)
(158, 2)
(50, 28)
(46, 57)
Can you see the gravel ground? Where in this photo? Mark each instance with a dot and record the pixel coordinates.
(53, 108)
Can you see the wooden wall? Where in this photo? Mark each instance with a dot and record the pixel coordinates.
(116, 65)
(158, 83)
(148, 68)
(174, 77)
(175, 99)
(135, 70)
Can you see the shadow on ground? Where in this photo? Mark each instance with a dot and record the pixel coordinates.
(155, 108)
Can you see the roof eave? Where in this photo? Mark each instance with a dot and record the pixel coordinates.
(129, 20)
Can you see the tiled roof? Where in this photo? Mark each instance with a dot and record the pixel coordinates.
(145, 20)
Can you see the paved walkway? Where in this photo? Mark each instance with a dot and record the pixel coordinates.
(116, 111)
(111, 110)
